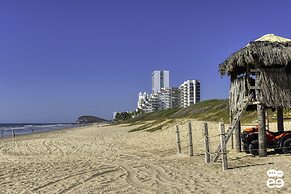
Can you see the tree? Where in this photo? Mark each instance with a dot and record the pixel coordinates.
(123, 116)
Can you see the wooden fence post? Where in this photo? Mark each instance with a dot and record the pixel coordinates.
(178, 139)
(223, 147)
(190, 139)
(206, 143)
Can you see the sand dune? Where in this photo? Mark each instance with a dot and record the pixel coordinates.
(108, 159)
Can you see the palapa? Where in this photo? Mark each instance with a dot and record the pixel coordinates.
(267, 51)
(262, 70)
(270, 56)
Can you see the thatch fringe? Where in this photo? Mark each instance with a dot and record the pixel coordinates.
(237, 94)
(257, 54)
(274, 88)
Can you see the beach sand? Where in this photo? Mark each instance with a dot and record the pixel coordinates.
(108, 159)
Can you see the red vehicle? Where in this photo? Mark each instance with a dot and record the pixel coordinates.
(279, 141)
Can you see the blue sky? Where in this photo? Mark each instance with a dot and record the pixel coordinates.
(60, 59)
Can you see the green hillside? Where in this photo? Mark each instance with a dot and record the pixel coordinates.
(211, 110)
(208, 110)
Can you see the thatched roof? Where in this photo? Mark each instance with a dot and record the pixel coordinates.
(268, 51)
(273, 38)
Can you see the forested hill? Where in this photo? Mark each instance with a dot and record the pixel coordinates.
(90, 119)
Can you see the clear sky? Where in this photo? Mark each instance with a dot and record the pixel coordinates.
(60, 59)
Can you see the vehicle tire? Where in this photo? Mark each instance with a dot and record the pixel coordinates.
(246, 148)
(253, 147)
(278, 150)
(287, 146)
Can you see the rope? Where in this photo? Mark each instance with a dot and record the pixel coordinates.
(211, 154)
(212, 136)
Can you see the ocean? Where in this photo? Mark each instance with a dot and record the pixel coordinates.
(10, 129)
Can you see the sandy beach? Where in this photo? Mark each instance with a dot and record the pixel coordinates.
(109, 159)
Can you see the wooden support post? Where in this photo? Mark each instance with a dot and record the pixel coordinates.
(231, 114)
(262, 130)
(206, 143)
(231, 141)
(280, 122)
(223, 146)
(267, 121)
(190, 139)
(237, 133)
(178, 140)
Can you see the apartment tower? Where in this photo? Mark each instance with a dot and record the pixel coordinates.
(160, 79)
(189, 93)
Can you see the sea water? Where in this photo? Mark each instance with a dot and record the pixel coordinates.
(10, 129)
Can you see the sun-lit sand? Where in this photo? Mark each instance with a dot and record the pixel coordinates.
(108, 159)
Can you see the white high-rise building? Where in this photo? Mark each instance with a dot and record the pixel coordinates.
(165, 98)
(149, 103)
(189, 93)
(175, 95)
(160, 79)
(161, 100)
(142, 99)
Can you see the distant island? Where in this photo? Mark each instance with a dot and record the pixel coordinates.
(90, 119)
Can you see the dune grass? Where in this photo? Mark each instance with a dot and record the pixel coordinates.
(216, 110)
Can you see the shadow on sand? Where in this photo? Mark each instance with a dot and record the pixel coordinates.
(250, 165)
(270, 153)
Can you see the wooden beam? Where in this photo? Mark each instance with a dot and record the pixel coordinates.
(280, 121)
(231, 141)
(255, 87)
(248, 89)
(230, 118)
(262, 130)
(261, 123)
(254, 70)
(237, 138)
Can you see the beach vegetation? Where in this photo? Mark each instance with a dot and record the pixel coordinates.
(216, 110)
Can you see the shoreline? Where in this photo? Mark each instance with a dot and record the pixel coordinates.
(43, 132)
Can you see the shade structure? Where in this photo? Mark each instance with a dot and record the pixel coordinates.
(273, 38)
(260, 70)
(270, 56)
(267, 51)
